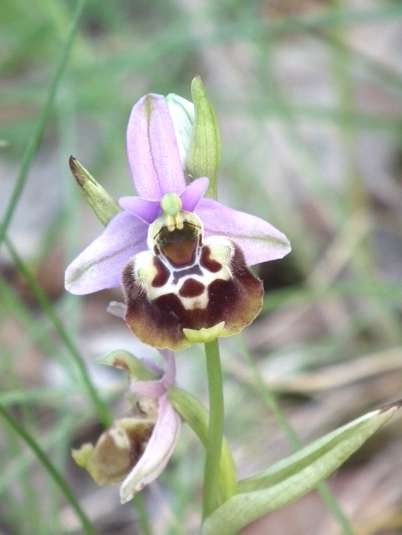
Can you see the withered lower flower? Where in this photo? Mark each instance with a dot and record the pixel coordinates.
(136, 449)
(117, 450)
(184, 257)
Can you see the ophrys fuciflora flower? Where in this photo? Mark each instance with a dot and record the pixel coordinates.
(181, 258)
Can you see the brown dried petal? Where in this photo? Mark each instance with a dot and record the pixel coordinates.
(117, 450)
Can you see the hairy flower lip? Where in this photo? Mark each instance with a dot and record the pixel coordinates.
(215, 294)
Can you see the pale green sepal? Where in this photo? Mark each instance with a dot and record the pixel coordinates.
(126, 361)
(182, 113)
(204, 153)
(293, 477)
(83, 455)
(204, 335)
(103, 205)
(196, 416)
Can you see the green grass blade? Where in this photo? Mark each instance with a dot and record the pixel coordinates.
(52, 471)
(270, 400)
(41, 298)
(40, 125)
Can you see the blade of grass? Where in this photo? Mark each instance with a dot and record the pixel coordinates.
(47, 308)
(36, 329)
(381, 73)
(270, 401)
(355, 195)
(388, 292)
(36, 136)
(35, 395)
(52, 470)
(29, 499)
(141, 515)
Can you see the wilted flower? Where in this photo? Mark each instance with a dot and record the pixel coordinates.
(182, 258)
(136, 449)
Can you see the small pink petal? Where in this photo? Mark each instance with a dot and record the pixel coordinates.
(101, 264)
(146, 210)
(169, 376)
(155, 389)
(157, 453)
(152, 149)
(193, 193)
(148, 389)
(259, 241)
(117, 309)
(149, 363)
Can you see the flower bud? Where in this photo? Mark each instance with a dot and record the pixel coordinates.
(204, 152)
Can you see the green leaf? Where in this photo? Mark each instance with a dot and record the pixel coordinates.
(103, 205)
(291, 478)
(204, 153)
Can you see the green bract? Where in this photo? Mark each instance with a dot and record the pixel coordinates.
(103, 205)
(204, 335)
(294, 476)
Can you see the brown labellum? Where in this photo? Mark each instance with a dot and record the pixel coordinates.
(184, 282)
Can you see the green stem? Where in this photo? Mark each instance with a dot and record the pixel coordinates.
(40, 125)
(215, 431)
(197, 418)
(52, 470)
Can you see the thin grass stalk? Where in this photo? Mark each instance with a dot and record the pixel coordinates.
(47, 308)
(37, 133)
(270, 401)
(51, 469)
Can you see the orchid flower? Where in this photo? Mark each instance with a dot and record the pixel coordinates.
(137, 448)
(181, 258)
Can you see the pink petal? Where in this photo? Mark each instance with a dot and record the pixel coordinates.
(259, 241)
(193, 193)
(157, 453)
(182, 114)
(152, 149)
(117, 309)
(156, 389)
(146, 210)
(101, 264)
